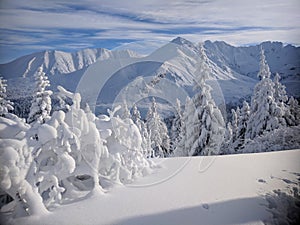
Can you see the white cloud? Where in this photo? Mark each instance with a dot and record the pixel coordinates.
(93, 14)
(142, 47)
(82, 22)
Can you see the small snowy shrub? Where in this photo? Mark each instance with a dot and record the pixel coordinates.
(68, 146)
(15, 163)
(126, 160)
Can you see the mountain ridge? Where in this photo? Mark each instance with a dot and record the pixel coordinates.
(234, 68)
(59, 62)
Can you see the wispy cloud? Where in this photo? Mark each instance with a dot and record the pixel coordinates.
(102, 23)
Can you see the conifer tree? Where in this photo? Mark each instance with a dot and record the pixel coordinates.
(294, 108)
(136, 116)
(234, 124)
(279, 90)
(158, 131)
(265, 114)
(207, 131)
(228, 133)
(176, 126)
(126, 112)
(281, 99)
(5, 105)
(242, 124)
(146, 141)
(41, 103)
(180, 148)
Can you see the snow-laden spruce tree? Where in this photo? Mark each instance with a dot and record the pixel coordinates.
(265, 114)
(227, 144)
(234, 123)
(125, 111)
(146, 141)
(282, 101)
(280, 94)
(244, 115)
(41, 103)
(181, 149)
(176, 126)
(5, 105)
(136, 116)
(158, 131)
(294, 109)
(207, 130)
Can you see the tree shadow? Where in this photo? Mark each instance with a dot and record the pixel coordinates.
(237, 211)
(284, 206)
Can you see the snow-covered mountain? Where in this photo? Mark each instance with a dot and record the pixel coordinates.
(102, 75)
(59, 62)
(284, 60)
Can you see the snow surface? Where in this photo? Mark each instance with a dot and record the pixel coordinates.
(233, 189)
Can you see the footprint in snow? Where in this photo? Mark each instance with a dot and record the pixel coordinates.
(288, 181)
(205, 206)
(262, 181)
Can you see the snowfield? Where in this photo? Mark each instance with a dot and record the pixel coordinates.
(258, 188)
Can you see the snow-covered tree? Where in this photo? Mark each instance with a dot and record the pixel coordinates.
(234, 123)
(5, 105)
(41, 104)
(265, 114)
(16, 159)
(180, 148)
(294, 109)
(264, 69)
(136, 115)
(279, 90)
(236, 129)
(125, 111)
(146, 141)
(68, 146)
(228, 134)
(285, 103)
(126, 159)
(71, 153)
(158, 131)
(244, 115)
(176, 126)
(207, 130)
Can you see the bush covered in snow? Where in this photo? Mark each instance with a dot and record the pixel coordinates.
(65, 157)
(285, 138)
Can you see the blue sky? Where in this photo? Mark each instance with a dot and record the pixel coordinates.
(37, 25)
